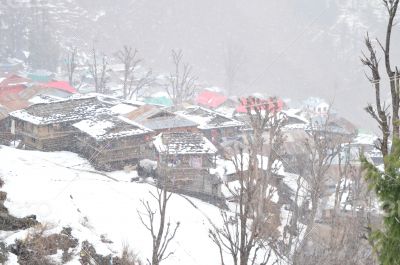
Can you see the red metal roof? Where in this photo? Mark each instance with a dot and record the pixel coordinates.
(61, 85)
(8, 90)
(14, 80)
(269, 102)
(210, 99)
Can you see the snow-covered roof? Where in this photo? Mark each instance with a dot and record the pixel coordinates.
(123, 108)
(100, 97)
(110, 127)
(43, 98)
(294, 121)
(183, 143)
(295, 113)
(62, 111)
(159, 119)
(337, 125)
(365, 139)
(208, 119)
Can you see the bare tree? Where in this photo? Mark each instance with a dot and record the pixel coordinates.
(341, 239)
(233, 63)
(128, 57)
(387, 120)
(249, 234)
(338, 236)
(98, 71)
(136, 85)
(161, 230)
(322, 147)
(131, 83)
(71, 64)
(181, 81)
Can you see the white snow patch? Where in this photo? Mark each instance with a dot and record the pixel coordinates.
(92, 204)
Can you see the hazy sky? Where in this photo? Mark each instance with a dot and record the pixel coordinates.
(288, 48)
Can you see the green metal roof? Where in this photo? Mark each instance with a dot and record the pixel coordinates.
(161, 101)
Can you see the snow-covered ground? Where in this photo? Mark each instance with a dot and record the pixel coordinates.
(63, 190)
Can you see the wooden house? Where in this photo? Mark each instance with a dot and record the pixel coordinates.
(112, 142)
(215, 126)
(48, 126)
(5, 130)
(185, 161)
(160, 120)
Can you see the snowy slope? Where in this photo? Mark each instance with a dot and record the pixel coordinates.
(60, 190)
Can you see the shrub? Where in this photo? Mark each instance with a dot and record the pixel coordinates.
(128, 257)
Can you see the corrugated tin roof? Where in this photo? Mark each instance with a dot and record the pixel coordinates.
(158, 119)
(211, 99)
(64, 86)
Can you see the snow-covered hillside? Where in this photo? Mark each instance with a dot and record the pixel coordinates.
(62, 190)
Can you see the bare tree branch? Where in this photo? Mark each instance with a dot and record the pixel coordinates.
(164, 233)
(182, 82)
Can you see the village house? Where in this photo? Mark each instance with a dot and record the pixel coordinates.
(48, 126)
(17, 92)
(217, 102)
(280, 182)
(215, 126)
(160, 120)
(185, 162)
(336, 127)
(5, 131)
(294, 120)
(112, 142)
(13, 84)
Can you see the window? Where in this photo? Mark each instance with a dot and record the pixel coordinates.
(196, 162)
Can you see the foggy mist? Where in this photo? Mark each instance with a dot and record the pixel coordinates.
(199, 132)
(293, 49)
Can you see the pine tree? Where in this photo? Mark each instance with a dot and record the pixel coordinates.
(386, 184)
(44, 50)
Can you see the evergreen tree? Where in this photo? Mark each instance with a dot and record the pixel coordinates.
(44, 50)
(13, 30)
(386, 184)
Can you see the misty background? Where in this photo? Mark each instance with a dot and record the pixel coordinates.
(289, 48)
